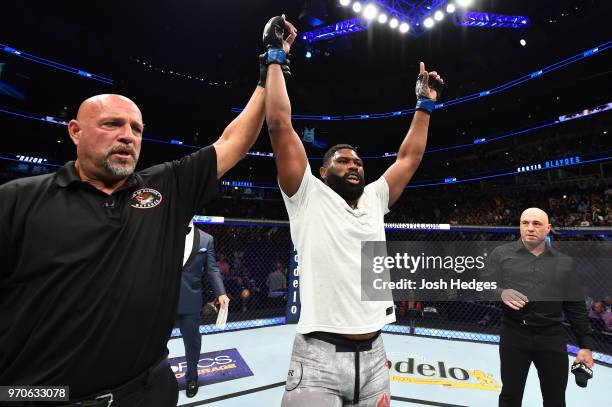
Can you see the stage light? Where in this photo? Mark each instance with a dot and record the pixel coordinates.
(308, 54)
(393, 23)
(438, 15)
(370, 12)
(345, 2)
(429, 22)
(523, 42)
(464, 3)
(404, 27)
(357, 7)
(478, 19)
(450, 8)
(382, 18)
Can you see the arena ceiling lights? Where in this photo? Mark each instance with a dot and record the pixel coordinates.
(406, 16)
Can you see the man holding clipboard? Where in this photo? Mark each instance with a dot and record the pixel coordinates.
(199, 258)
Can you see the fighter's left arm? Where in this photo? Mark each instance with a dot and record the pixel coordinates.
(412, 148)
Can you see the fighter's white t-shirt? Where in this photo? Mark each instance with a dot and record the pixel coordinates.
(327, 234)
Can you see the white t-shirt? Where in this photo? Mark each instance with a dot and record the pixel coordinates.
(327, 234)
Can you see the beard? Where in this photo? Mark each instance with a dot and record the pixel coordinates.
(119, 167)
(349, 192)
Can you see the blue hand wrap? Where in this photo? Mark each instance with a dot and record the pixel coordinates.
(276, 56)
(425, 104)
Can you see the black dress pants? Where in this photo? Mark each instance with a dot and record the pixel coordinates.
(189, 324)
(544, 346)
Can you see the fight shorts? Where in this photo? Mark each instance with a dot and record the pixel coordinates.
(329, 370)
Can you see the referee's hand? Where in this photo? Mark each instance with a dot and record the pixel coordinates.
(514, 299)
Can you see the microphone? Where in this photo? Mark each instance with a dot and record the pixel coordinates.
(582, 373)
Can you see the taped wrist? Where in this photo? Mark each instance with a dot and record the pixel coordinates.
(425, 104)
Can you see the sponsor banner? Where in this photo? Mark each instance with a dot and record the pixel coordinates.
(213, 367)
(418, 226)
(293, 290)
(414, 370)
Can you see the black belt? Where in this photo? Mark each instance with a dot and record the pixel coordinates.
(344, 344)
(107, 397)
(530, 323)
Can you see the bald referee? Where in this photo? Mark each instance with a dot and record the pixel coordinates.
(329, 219)
(531, 332)
(91, 258)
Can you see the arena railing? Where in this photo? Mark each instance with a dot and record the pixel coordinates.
(250, 251)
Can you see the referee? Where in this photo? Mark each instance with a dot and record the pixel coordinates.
(91, 256)
(531, 331)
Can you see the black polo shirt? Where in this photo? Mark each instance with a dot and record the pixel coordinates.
(550, 283)
(89, 282)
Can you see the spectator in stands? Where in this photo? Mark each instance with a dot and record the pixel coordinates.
(599, 313)
(224, 267)
(277, 285)
(246, 285)
(608, 303)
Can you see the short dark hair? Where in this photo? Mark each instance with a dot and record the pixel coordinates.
(330, 153)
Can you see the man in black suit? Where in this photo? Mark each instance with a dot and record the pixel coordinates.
(537, 286)
(199, 258)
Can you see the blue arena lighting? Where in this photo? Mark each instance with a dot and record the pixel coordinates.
(55, 65)
(338, 29)
(448, 334)
(561, 119)
(477, 19)
(234, 326)
(498, 89)
(42, 118)
(17, 158)
(415, 184)
(208, 220)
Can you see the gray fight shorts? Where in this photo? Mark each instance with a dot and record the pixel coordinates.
(327, 370)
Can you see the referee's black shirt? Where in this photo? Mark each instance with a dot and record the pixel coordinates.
(89, 282)
(550, 283)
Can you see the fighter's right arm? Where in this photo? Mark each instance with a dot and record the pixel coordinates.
(289, 153)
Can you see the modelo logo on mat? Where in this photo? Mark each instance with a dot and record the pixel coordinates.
(441, 373)
(213, 367)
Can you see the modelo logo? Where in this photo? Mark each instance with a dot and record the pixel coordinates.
(221, 362)
(441, 374)
(424, 369)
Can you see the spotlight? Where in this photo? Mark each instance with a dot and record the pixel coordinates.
(438, 15)
(357, 7)
(450, 8)
(404, 27)
(523, 42)
(308, 54)
(393, 23)
(345, 2)
(370, 11)
(382, 18)
(464, 3)
(429, 22)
